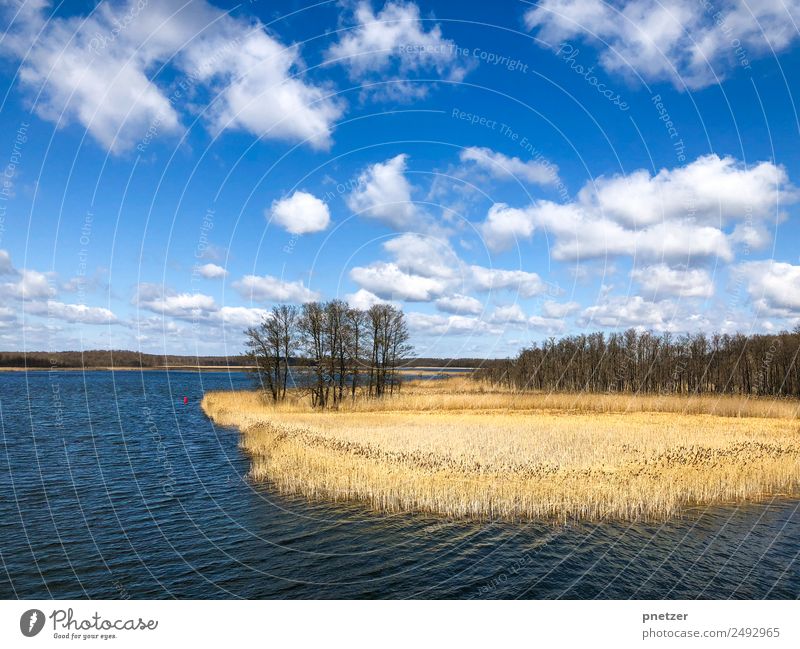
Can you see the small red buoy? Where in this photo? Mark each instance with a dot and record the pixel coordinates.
(185, 400)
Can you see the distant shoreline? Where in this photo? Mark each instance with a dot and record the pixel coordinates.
(209, 368)
(200, 368)
(127, 360)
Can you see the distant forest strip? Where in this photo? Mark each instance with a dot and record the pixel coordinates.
(111, 358)
(644, 362)
(97, 358)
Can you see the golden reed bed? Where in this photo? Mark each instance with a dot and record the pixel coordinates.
(455, 447)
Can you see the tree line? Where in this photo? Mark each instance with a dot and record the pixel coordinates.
(346, 351)
(645, 362)
(102, 358)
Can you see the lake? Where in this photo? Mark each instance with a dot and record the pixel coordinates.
(111, 487)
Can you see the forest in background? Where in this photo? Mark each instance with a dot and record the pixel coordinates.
(103, 358)
(644, 362)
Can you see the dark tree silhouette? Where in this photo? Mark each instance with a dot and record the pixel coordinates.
(644, 362)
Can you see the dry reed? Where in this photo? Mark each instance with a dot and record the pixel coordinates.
(455, 447)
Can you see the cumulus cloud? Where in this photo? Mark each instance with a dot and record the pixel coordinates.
(424, 255)
(629, 311)
(509, 314)
(496, 279)
(193, 307)
(97, 70)
(546, 324)
(389, 281)
(37, 290)
(363, 299)
(383, 193)
(211, 271)
(266, 288)
(301, 213)
(678, 214)
(512, 314)
(773, 286)
(240, 316)
(28, 284)
(505, 225)
(258, 88)
(551, 309)
(73, 313)
(391, 46)
(459, 304)
(432, 324)
(185, 306)
(691, 44)
(503, 167)
(661, 279)
(6, 267)
(711, 190)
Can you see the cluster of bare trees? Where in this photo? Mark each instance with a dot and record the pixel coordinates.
(340, 351)
(635, 361)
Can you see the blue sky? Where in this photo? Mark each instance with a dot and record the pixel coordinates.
(505, 172)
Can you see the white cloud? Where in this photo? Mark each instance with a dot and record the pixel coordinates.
(682, 41)
(6, 267)
(549, 325)
(431, 324)
(392, 45)
(197, 308)
(459, 304)
(551, 309)
(629, 311)
(36, 291)
(424, 255)
(211, 271)
(28, 285)
(186, 306)
(384, 194)
(158, 325)
(773, 286)
(363, 299)
(241, 316)
(751, 236)
(495, 279)
(258, 88)
(75, 313)
(97, 70)
(301, 213)
(388, 281)
(710, 191)
(510, 314)
(503, 167)
(677, 214)
(505, 225)
(266, 288)
(661, 279)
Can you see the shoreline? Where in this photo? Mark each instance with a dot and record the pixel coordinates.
(521, 457)
(178, 368)
(212, 368)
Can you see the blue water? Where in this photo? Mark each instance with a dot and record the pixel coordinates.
(111, 487)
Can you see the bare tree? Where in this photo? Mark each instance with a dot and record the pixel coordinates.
(642, 362)
(334, 341)
(356, 334)
(311, 328)
(271, 345)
